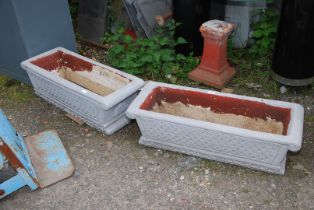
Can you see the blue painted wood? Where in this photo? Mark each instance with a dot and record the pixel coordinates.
(44, 159)
(25, 176)
(18, 181)
(1, 161)
(12, 184)
(16, 143)
(49, 157)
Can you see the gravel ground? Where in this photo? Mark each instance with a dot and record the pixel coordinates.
(115, 172)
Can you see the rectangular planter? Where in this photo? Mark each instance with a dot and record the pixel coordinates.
(215, 141)
(96, 93)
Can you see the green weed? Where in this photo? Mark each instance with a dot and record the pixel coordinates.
(154, 58)
(253, 63)
(15, 90)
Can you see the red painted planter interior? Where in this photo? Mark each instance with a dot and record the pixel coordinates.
(218, 104)
(59, 59)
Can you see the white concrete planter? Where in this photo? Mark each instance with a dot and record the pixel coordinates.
(253, 149)
(105, 112)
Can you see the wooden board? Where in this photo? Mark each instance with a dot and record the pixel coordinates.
(87, 83)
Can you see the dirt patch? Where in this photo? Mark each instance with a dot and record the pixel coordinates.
(205, 114)
(98, 80)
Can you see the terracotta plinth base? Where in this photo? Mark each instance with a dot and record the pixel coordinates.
(214, 69)
(212, 79)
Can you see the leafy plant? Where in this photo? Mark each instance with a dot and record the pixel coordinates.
(254, 62)
(264, 33)
(154, 58)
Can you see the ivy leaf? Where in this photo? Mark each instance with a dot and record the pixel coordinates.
(269, 31)
(127, 39)
(257, 34)
(180, 57)
(146, 58)
(181, 40)
(117, 49)
(167, 55)
(273, 29)
(264, 25)
(266, 43)
(164, 41)
(157, 57)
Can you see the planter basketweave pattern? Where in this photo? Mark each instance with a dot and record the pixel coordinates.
(104, 112)
(254, 149)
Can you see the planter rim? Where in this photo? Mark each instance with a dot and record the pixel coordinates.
(293, 139)
(107, 101)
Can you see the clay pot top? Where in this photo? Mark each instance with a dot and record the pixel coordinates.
(217, 28)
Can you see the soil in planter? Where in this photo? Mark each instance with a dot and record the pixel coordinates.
(205, 114)
(98, 80)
